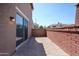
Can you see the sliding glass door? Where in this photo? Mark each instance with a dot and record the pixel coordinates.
(25, 28)
(21, 29)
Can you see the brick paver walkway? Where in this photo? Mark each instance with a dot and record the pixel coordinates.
(40, 46)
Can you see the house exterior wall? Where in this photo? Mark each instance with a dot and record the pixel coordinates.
(27, 10)
(8, 28)
(77, 15)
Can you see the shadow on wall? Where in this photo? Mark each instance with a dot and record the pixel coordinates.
(31, 48)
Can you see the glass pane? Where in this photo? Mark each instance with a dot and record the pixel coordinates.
(25, 28)
(19, 29)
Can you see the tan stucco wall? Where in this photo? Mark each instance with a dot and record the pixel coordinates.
(8, 28)
(77, 15)
(27, 10)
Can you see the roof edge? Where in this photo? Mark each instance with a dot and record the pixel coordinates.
(31, 5)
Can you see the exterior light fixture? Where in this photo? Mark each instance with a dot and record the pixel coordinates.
(12, 19)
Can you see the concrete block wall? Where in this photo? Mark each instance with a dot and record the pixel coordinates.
(67, 40)
(39, 33)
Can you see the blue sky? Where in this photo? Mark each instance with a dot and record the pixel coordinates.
(51, 13)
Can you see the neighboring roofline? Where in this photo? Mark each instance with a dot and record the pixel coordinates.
(31, 5)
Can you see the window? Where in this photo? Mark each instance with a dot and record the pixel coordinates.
(21, 29)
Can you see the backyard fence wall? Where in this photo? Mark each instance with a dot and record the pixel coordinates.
(66, 38)
(38, 32)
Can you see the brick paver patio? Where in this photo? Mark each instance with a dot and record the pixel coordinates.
(40, 46)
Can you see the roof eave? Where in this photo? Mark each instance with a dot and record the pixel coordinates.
(31, 5)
